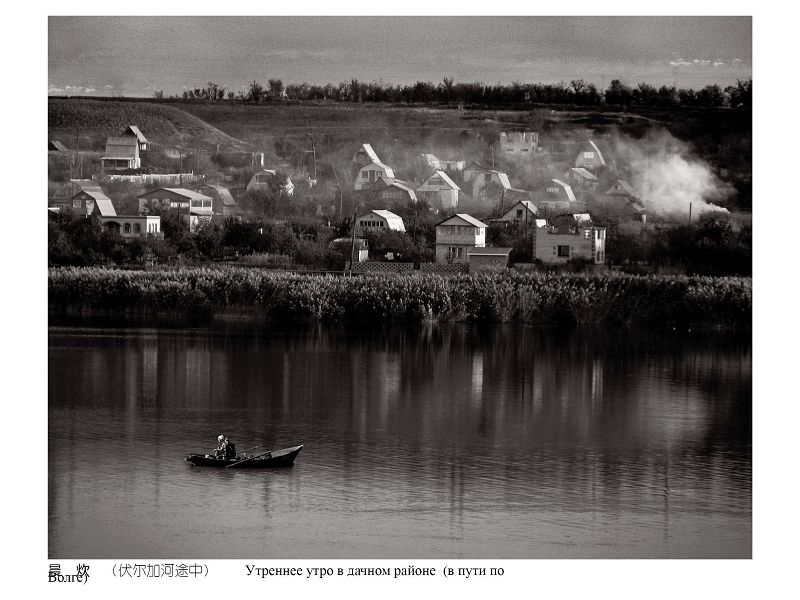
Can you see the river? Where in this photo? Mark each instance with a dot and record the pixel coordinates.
(447, 441)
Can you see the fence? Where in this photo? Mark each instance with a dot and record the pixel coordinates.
(159, 178)
(380, 267)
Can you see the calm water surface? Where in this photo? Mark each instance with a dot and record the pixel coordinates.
(442, 442)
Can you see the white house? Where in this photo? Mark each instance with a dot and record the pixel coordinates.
(379, 221)
(439, 191)
(370, 173)
(131, 226)
(456, 235)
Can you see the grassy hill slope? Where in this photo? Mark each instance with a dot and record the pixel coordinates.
(162, 124)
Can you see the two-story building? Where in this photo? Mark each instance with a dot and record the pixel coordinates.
(92, 202)
(519, 143)
(457, 234)
(194, 208)
(439, 191)
(559, 245)
(121, 153)
(378, 221)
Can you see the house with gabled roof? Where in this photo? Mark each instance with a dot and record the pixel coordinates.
(194, 208)
(365, 155)
(223, 202)
(369, 173)
(456, 235)
(378, 221)
(440, 191)
(555, 195)
(93, 202)
(483, 179)
(589, 157)
(440, 164)
(134, 131)
(522, 212)
(392, 190)
(266, 179)
(121, 153)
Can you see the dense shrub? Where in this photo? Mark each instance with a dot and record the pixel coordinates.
(536, 298)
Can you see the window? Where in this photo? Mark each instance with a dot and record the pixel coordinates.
(587, 234)
(552, 190)
(519, 213)
(459, 252)
(126, 228)
(487, 177)
(588, 155)
(563, 251)
(364, 174)
(136, 228)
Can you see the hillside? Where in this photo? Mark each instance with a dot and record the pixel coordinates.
(165, 125)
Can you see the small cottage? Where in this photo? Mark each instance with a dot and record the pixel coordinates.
(223, 203)
(589, 157)
(93, 202)
(393, 191)
(554, 195)
(121, 153)
(267, 180)
(439, 191)
(378, 221)
(523, 212)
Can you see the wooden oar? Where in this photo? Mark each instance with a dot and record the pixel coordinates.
(238, 462)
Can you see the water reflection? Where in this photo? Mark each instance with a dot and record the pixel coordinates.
(444, 441)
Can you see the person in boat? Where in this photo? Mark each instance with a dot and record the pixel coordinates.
(230, 450)
(219, 452)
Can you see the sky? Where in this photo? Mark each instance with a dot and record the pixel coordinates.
(135, 56)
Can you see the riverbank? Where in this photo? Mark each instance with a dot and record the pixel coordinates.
(543, 299)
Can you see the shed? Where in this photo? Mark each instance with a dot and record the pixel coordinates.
(488, 259)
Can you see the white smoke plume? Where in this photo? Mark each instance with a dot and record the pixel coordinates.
(668, 179)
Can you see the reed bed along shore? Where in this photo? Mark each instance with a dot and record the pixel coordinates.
(536, 298)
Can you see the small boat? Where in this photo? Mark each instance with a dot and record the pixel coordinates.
(268, 460)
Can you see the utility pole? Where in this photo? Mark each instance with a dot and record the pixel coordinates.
(690, 213)
(353, 241)
(180, 167)
(492, 147)
(76, 150)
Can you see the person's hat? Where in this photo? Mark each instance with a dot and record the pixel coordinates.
(220, 438)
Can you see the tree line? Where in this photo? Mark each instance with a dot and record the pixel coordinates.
(576, 92)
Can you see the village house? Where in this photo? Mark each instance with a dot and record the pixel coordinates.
(266, 180)
(488, 259)
(369, 173)
(554, 196)
(582, 181)
(62, 196)
(223, 203)
(133, 226)
(439, 191)
(519, 142)
(457, 234)
(379, 221)
(194, 208)
(390, 190)
(589, 157)
(560, 244)
(133, 131)
(488, 183)
(439, 164)
(92, 201)
(522, 213)
(121, 153)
